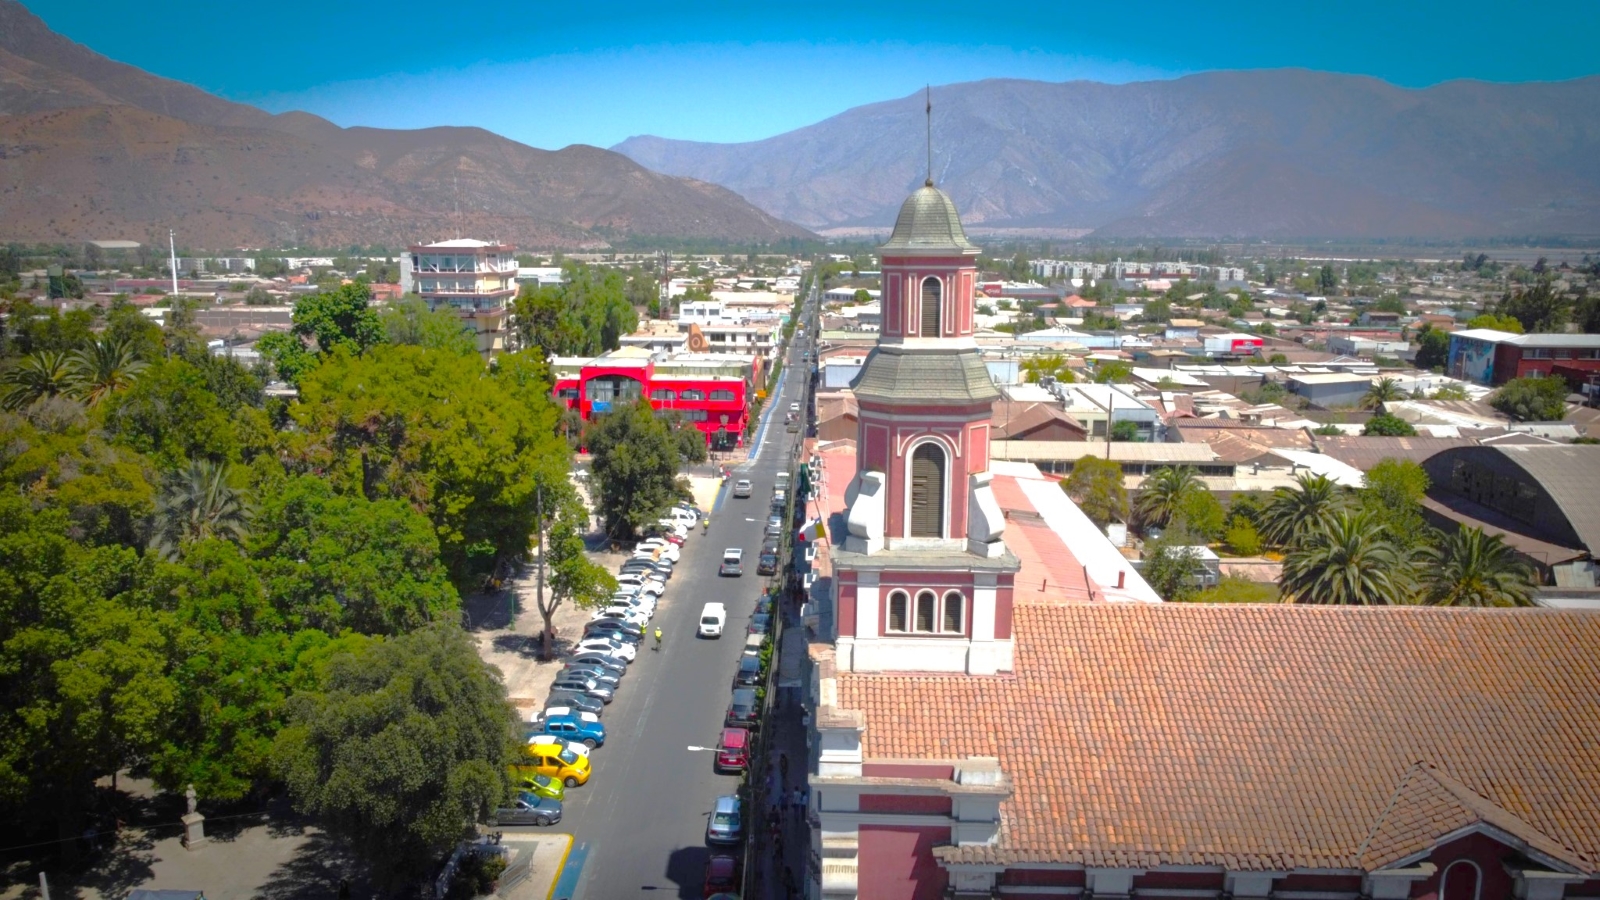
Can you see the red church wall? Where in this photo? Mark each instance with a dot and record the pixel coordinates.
(1002, 609)
(1044, 878)
(896, 863)
(847, 608)
(1188, 881)
(907, 804)
(1481, 851)
(908, 770)
(1330, 883)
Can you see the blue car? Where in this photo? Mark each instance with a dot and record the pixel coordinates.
(569, 728)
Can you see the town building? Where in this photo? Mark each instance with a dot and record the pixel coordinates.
(475, 280)
(712, 390)
(1489, 357)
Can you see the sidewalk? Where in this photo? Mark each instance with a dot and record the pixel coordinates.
(782, 854)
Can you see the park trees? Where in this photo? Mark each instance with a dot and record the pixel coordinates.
(1164, 494)
(1294, 513)
(1351, 560)
(1532, 399)
(1096, 486)
(197, 503)
(636, 462)
(574, 578)
(411, 322)
(400, 745)
(583, 316)
(1470, 568)
(1392, 496)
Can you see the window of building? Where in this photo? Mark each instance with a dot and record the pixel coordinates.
(932, 306)
(663, 394)
(613, 389)
(1461, 881)
(692, 394)
(1536, 353)
(955, 610)
(925, 609)
(722, 394)
(694, 415)
(567, 393)
(897, 611)
(927, 491)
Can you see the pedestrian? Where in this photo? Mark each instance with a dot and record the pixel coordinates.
(798, 800)
(783, 767)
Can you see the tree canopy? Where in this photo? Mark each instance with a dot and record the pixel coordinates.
(1532, 399)
(636, 462)
(583, 316)
(1096, 486)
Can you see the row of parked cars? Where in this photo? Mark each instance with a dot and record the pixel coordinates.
(560, 738)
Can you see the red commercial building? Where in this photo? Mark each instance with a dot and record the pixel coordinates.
(1490, 357)
(712, 390)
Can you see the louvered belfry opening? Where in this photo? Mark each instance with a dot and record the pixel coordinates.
(927, 492)
(932, 306)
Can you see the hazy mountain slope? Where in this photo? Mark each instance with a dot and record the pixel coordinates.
(92, 148)
(1270, 153)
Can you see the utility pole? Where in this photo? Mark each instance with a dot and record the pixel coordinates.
(172, 248)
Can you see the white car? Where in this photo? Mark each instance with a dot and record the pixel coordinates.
(574, 746)
(648, 587)
(676, 526)
(563, 711)
(629, 614)
(668, 549)
(620, 649)
(645, 602)
(794, 407)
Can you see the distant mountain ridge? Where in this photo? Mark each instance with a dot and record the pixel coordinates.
(92, 148)
(1272, 154)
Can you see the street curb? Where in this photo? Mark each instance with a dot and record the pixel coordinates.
(560, 869)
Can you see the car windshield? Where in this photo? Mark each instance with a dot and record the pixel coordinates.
(543, 780)
(723, 819)
(568, 757)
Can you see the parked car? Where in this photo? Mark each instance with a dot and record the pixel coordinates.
(620, 649)
(622, 629)
(604, 677)
(742, 488)
(573, 681)
(657, 569)
(576, 699)
(642, 583)
(549, 711)
(528, 809)
(722, 877)
(543, 786)
(749, 671)
(774, 527)
(725, 825)
(779, 498)
(560, 744)
(764, 603)
(767, 564)
(742, 708)
(590, 734)
(732, 562)
(600, 658)
(733, 750)
(760, 623)
(624, 613)
(794, 407)
(555, 761)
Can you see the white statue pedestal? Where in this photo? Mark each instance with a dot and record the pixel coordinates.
(194, 830)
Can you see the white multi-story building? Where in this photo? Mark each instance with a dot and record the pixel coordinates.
(473, 279)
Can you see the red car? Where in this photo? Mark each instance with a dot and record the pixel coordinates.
(733, 750)
(722, 875)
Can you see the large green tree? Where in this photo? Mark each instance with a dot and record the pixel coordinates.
(1392, 496)
(1096, 486)
(1294, 513)
(401, 746)
(1470, 568)
(574, 577)
(636, 462)
(1350, 561)
(1532, 399)
(340, 319)
(197, 504)
(170, 415)
(1163, 494)
(411, 322)
(583, 316)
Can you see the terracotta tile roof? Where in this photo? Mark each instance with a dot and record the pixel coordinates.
(1263, 737)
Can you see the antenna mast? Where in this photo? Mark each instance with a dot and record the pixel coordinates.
(928, 89)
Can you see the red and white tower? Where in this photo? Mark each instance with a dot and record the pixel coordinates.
(925, 581)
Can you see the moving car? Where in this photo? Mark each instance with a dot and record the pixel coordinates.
(742, 488)
(794, 407)
(725, 825)
(543, 786)
(590, 734)
(742, 708)
(555, 761)
(712, 617)
(733, 750)
(528, 809)
(722, 876)
(732, 562)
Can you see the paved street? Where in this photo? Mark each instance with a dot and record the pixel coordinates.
(639, 826)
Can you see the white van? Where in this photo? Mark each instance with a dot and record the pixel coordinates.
(782, 482)
(712, 618)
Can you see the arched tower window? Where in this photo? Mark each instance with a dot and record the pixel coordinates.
(1461, 881)
(954, 613)
(927, 491)
(926, 602)
(898, 614)
(932, 306)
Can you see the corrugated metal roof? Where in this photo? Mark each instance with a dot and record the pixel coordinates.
(1571, 473)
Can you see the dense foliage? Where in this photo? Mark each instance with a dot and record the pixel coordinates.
(583, 316)
(1532, 399)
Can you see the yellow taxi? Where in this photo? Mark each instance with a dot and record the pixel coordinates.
(553, 760)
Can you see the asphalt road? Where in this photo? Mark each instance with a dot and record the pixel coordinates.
(638, 826)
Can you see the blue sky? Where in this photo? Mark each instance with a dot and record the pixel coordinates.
(552, 74)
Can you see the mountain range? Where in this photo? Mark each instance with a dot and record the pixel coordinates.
(1263, 153)
(91, 148)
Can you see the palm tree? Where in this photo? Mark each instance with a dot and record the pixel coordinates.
(1164, 492)
(38, 375)
(102, 368)
(1295, 512)
(197, 503)
(1382, 391)
(1470, 568)
(1351, 561)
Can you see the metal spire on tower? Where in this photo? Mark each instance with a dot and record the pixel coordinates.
(929, 94)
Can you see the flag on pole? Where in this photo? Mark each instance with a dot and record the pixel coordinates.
(811, 531)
